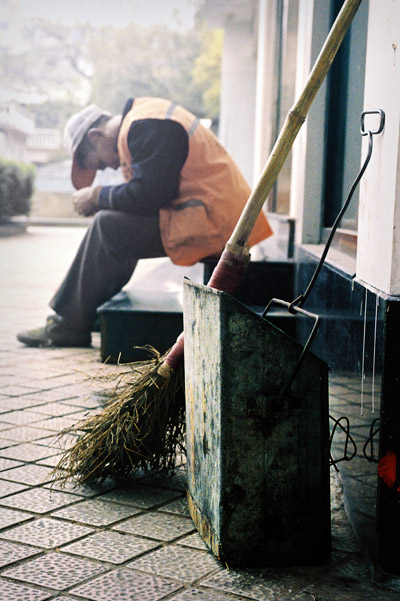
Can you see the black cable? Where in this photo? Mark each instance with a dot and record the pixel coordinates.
(300, 300)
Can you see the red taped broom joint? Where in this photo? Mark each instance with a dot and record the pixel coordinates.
(227, 276)
(229, 272)
(175, 356)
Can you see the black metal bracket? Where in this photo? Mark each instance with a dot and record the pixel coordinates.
(294, 309)
(296, 304)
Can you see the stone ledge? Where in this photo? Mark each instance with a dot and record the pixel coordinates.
(52, 221)
(11, 228)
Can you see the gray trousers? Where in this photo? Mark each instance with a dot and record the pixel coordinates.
(104, 263)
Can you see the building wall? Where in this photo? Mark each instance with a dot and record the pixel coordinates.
(16, 124)
(238, 94)
(238, 78)
(357, 296)
(43, 143)
(378, 260)
(12, 146)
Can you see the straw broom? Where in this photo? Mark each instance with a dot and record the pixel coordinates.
(142, 426)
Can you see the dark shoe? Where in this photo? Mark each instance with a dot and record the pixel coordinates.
(55, 333)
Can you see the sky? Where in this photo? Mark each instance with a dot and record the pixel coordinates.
(103, 12)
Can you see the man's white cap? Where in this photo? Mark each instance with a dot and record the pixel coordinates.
(75, 130)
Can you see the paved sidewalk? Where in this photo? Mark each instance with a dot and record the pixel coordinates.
(109, 543)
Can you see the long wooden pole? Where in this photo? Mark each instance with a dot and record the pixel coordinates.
(294, 120)
(232, 264)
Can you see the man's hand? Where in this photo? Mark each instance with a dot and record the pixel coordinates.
(85, 201)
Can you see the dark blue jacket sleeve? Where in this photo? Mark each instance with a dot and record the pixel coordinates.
(159, 149)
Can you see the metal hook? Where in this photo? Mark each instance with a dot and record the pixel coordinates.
(380, 112)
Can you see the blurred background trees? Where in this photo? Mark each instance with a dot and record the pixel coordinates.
(16, 189)
(70, 66)
(56, 57)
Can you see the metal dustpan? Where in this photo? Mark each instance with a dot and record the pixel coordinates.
(256, 401)
(258, 457)
(257, 423)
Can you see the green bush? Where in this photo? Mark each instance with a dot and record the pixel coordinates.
(16, 188)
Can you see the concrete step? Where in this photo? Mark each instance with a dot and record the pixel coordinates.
(149, 311)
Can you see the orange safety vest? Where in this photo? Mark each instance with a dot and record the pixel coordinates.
(212, 191)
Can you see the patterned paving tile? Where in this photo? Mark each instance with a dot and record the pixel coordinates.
(50, 461)
(343, 538)
(142, 496)
(177, 481)
(9, 488)
(96, 512)
(4, 405)
(17, 404)
(186, 565)
(4, 443)
(60, 379)
(268, 584)
(6, 464)
(28, 452)
(28, 402)
(159, 526)
(349, 591)
(82, 414)
(17, 390)
(11, 553)
(57, 424)
(113, 547)
(56, 409)
(193, 540)
(25, 434)
(85, 490)
(125, 584)
(352, 570)
(9, 517)
(8, 379)
(180, 507)
(58, 441)
(28, 474)
(83, 402)
(18, 592)
(43, 374)
(52, 395)
(20, 418)
(39, 500)
(46, 533)
(199, 595)
(55, 570)
(4, 426)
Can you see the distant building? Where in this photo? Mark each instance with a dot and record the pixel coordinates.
(16, 124)
(42, 143)
(20, 140)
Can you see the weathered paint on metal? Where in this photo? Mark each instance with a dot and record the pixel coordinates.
(204, 527)
(258, 471)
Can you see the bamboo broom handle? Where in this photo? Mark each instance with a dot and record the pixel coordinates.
(232, 264)
(290, 129)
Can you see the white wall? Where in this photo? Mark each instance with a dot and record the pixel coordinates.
(264, 85)
(238, 18)
(238, 82)
(378, 249)
(308, 150)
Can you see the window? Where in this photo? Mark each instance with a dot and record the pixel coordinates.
(285, 70)
(345, 105)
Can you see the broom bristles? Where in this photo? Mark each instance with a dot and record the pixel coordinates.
(142, 427)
